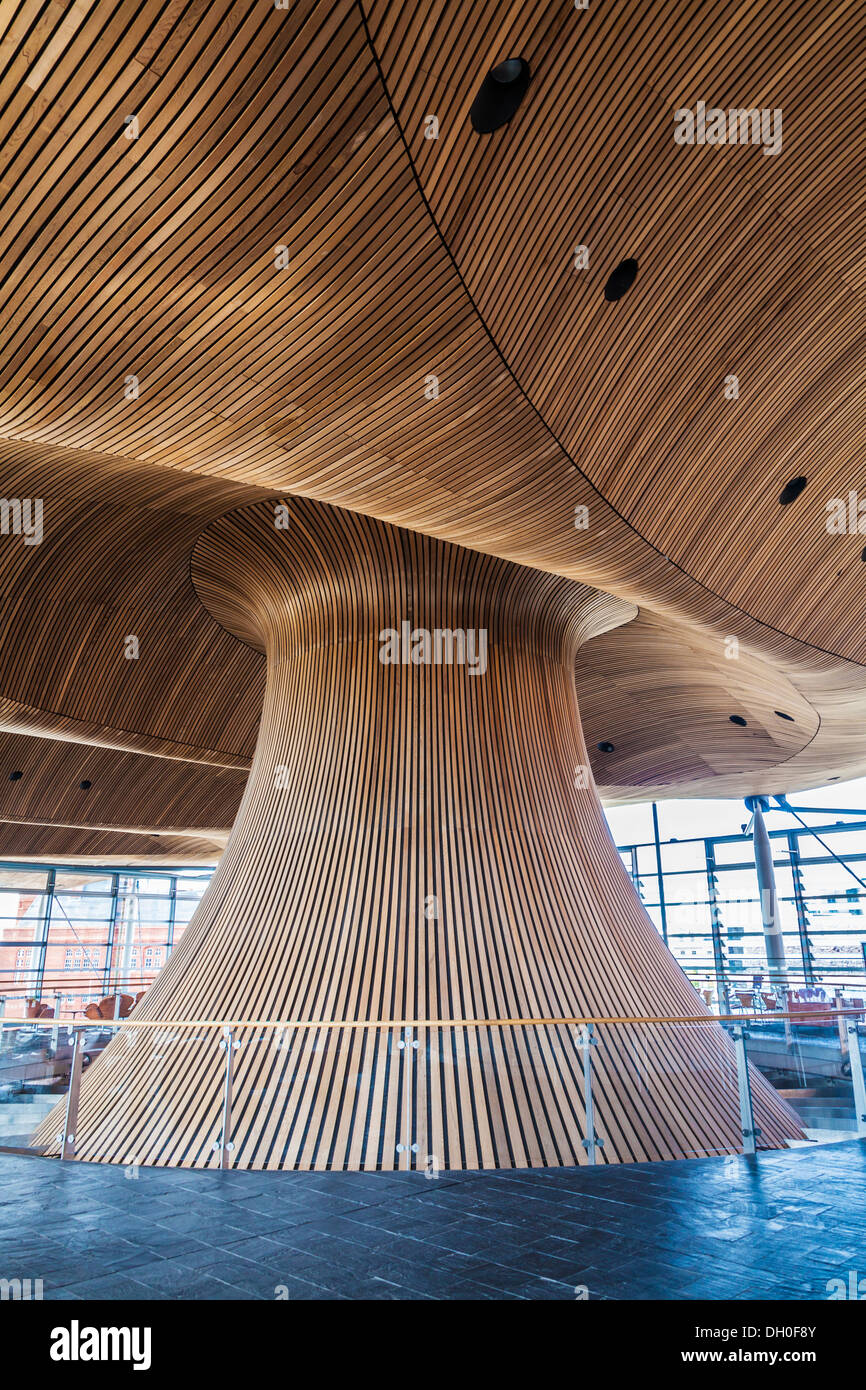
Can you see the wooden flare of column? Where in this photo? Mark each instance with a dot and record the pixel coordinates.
(416, 841)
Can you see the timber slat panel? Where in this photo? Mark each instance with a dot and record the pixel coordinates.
(413, 842)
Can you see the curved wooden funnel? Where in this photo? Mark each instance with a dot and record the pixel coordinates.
(419, 838)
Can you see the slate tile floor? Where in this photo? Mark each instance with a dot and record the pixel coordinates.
(778, 1226)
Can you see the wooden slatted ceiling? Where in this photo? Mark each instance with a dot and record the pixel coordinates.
(114, 562)
(748, 265)
(382, 786)
(126, 789)
(89, 693)
(15, 716)
(666, 691)
(113, 573)
(648, 687)
(666, 697)
(261, 127)
(54, 844)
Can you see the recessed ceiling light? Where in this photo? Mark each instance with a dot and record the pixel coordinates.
(15, 776)
(737, 719)
(791, 491)
(85, 786)
(509, 71)
(501, 92)
(789, 717)
(621, 280)
(606, 747)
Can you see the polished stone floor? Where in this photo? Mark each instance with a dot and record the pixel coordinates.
(779, 1226)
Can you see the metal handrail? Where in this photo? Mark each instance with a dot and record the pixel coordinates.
(829, 1012)
(58, 985)
(224, 1145)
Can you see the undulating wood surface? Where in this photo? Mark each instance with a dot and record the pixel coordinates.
(257, 128)
(416, 841)
(234, 270)
(114, 562)
(748, 265)
(57, 844)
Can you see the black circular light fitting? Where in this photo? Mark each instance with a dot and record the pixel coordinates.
(620, 281)
(738, 719)
(509, 71)
(789, 717)
(15, 776)
(499, 95)
(791, 491)
(606, 747)
(85, 786)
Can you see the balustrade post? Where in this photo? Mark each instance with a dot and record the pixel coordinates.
(747, 1119)
(70, 1122)
(409, 1047)
(856, 1060)
(224, 1145)
(587, 1041)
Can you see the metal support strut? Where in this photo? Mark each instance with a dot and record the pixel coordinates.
(224, 1145)
(70, 1122)
(771, 917)
(857, 1076)
(410, 1047)
(587, 1041)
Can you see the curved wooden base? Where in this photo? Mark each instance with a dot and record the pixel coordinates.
(416, 841)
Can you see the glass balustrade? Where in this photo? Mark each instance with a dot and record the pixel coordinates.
(555, 1088)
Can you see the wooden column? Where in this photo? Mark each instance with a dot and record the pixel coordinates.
(416, 841)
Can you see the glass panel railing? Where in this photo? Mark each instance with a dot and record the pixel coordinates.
(282, 1081)
(750, 993)
(497, 1095)
(428, 1096)
(157, 1097)
(74, 1001)
(35, 1064)
(664, 1090)
(814, 1059)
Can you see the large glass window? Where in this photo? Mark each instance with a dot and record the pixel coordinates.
(70, 937)
(706, 904)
